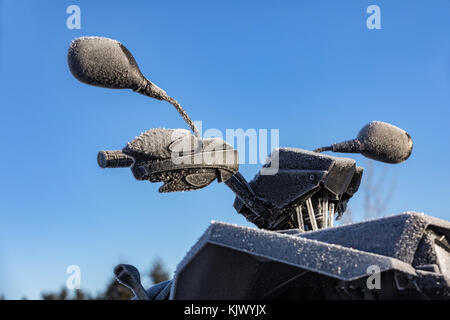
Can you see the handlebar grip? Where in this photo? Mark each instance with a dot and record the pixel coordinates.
(113, 159)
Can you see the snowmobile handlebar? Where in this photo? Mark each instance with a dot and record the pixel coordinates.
(114, 159)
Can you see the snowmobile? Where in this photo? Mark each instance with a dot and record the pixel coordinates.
(295, 253)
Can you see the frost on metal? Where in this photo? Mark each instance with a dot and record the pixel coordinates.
(154, 143)
(301, 256)
(304, 190)
(233, 262)
(103, 62)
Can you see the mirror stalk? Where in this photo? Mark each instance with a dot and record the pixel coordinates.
(153, 91)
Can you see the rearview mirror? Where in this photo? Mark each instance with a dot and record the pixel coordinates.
(379, 141)
(107, 63)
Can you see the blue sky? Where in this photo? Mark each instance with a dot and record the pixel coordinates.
(310, 69)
